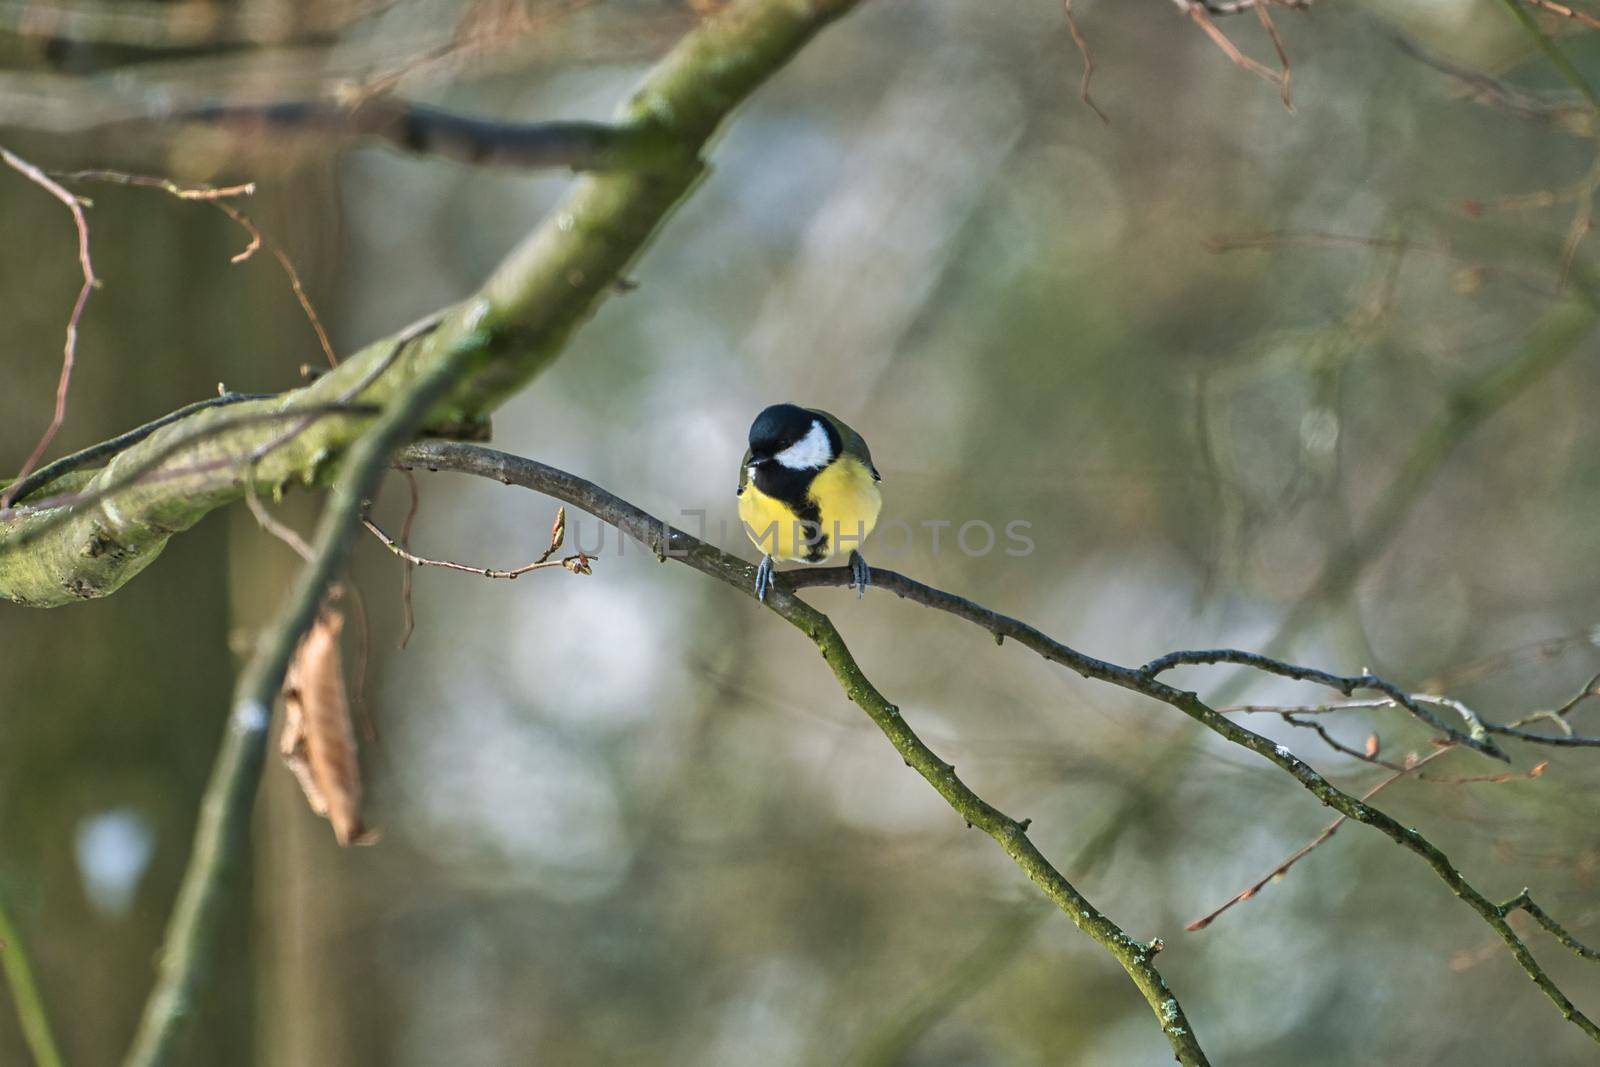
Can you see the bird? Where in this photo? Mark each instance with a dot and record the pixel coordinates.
(807, 487)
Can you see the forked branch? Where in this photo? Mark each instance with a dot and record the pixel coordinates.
(670, 543)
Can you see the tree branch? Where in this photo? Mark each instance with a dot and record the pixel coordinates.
(31, 1014)
(1190, 704)
(417, 129)
(668, 542)
(1476, 737)
(224, 829)
(479, 352)
(1525, 902)
(1568, 738)
(23, 488)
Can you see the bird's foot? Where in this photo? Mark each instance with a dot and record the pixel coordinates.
(763, 578)
(860, 574)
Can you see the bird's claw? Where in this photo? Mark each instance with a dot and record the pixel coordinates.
(860, 574)
(763, 579)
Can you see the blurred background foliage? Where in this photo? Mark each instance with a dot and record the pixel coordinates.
(625, 819)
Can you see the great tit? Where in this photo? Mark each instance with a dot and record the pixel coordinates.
(807, 488)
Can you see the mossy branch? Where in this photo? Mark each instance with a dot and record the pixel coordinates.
(224, 827)
(519, 320)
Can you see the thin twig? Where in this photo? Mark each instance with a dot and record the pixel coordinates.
(1476, 736)
(1088, 62)
(299, 289)
(197, 191)
(1582, 17)
(1202, 18)
(1413, 768)
(1568, 738)
(1536, 771)
(1286, 73)
(1306, 849)
(277, 529)
(69, 351)
(1337, 745)
(217, 197)
(1591, 688)
(1525, 902)
(1290, 714)
(578, 564)
(1307, 709)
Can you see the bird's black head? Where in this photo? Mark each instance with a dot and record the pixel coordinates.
(793, 437)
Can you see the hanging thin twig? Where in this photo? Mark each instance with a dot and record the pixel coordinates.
(69, 352)
(1088, 62)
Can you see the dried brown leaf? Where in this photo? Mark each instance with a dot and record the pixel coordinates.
(318, 741)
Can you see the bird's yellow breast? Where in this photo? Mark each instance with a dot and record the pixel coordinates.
(846, 498)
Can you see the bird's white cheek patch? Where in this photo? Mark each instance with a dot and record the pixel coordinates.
(810, 452)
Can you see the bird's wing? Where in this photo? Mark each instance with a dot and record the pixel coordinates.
(854, 444)
(744, 474)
